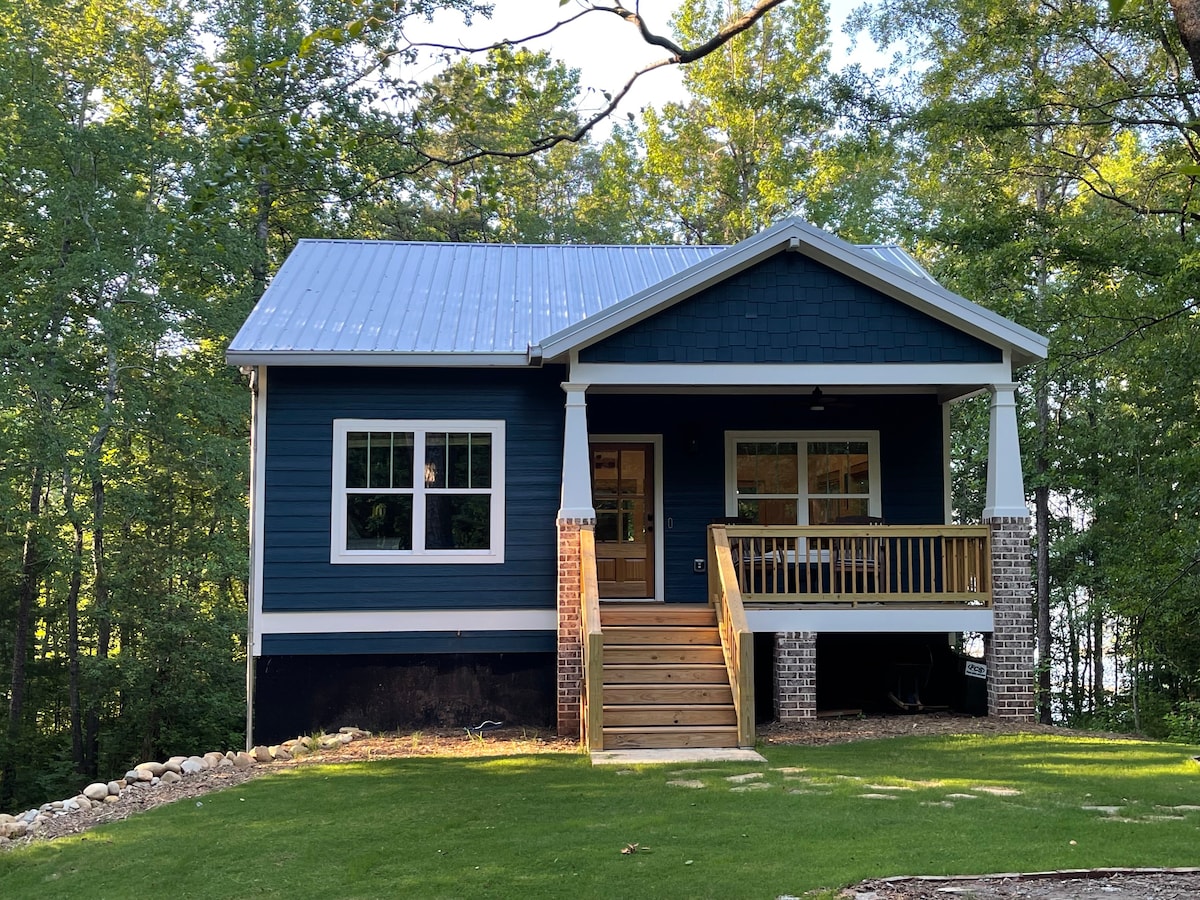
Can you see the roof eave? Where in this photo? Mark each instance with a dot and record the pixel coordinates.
(376, 358)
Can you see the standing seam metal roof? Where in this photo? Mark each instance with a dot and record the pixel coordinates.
(347, 296)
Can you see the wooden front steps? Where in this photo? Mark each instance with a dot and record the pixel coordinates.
(665, 682)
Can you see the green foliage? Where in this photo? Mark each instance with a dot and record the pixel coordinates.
(1184, 726)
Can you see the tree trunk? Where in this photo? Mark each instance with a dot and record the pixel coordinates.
(77, 757)
(26, 594)
(1187, 20)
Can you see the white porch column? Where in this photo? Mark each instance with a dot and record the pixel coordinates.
(577, 459)
(1005, 485)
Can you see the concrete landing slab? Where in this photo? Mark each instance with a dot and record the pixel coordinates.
(685, 755)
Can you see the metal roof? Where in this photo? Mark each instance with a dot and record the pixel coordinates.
(355, 301)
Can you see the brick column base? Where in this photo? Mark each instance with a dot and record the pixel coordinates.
(570, 624)
(1009, 650)
(795, 676)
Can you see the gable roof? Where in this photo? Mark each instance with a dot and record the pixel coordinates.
(400, 303)
(871, 265)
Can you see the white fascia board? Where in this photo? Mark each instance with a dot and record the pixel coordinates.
(870, 621)
(666, 293)
(825, 375)
(391, 359)
(365, 621)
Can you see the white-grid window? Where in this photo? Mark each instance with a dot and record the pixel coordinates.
(801, 478)
(417, 491)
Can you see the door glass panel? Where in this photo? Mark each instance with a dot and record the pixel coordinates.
(633, 472)
(633, 519)
(604, 472)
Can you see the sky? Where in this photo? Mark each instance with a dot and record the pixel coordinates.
(607, 50)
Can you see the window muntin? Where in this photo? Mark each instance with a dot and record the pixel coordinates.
(789, 478)
(417, 491)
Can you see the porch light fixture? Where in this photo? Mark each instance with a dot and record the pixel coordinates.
(816, 401)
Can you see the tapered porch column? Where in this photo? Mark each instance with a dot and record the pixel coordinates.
(1009, 650)
(575, 514)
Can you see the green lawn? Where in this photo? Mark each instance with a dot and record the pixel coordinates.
(553, 826)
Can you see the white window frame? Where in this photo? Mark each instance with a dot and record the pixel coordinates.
(802, 439)
(338, 554)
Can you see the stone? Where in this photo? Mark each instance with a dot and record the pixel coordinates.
(96, 791)
(213, 759)
(686, 783)
(144, 776)
(5, 818)
(84, 804)
(114, 788)
(131, 776)
(356, 733)
(330, 741)
(262, 755)
(243, 760)
(172, 767)
(112, 798)
(282, 755)
(748, 776)
(175, 761)
(192, 766)
(169, 777)
(225, 763)
(154, 768)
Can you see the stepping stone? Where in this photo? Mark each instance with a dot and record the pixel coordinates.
(789, 770)
(1107, 810)
(944, 804)
(756, 786)
(686, 783)
(997, 791)
(888, 787)
(748, 776)
(961, 797)
(878, 796)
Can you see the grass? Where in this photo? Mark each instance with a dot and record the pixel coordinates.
(553, 826)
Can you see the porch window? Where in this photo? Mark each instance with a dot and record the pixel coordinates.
(417, 491)
(790, 478)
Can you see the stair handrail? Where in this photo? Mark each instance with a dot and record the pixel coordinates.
(593, 644)
(737, 640)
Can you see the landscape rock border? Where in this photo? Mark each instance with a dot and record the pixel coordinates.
(133, 791)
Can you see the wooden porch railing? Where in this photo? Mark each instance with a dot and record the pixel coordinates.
(860, 564)
(737, 640)
(593, 644)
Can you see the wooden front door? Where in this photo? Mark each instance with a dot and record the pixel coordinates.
(623, 495)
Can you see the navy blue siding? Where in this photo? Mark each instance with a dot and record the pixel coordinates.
(410, 642)
(693, 429)
(791, 309)
(301, 407)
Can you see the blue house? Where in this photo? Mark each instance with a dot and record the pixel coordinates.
(642, 493)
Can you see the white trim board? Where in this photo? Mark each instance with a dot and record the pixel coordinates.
(968, 375)
(870, 621)
(366, 621)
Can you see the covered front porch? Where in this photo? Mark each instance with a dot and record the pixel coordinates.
(892, 565)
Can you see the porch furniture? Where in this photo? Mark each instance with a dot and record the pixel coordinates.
(858, 560)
